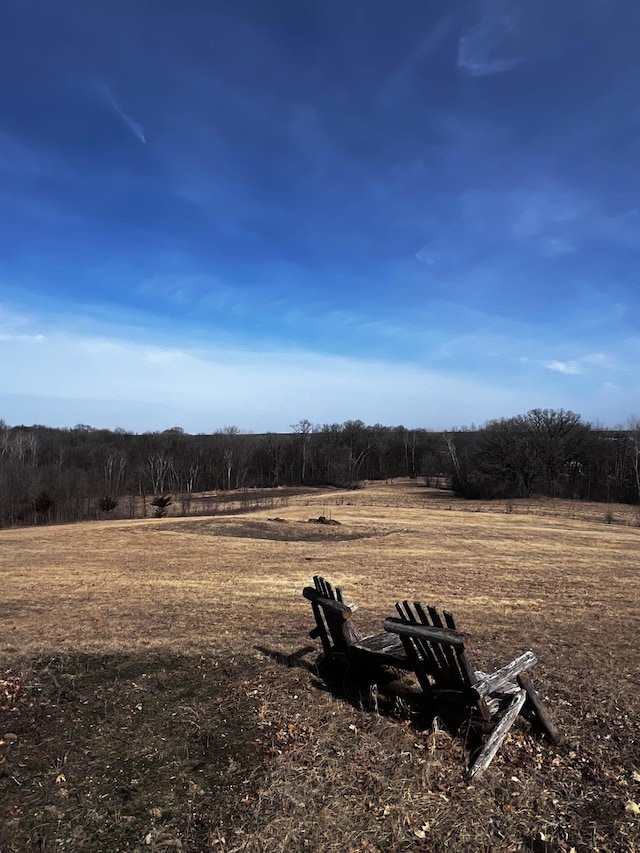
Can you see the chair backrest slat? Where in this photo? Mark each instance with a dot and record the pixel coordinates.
(436, 652)
(449, 620)
(430, 651)
(445, 663)
(406, 614)
(323, 628)
(433, 613)
(323, 586)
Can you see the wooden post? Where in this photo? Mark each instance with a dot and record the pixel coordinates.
(541, 713)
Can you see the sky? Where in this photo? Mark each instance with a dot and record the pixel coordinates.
(253, 212)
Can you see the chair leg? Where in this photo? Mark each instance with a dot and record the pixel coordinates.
(534, 701)
(499, 733)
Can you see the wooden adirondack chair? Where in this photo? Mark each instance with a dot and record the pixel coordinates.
(334, 627)
(341, 640)
(438, 655)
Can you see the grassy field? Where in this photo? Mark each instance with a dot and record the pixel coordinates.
(158, 688)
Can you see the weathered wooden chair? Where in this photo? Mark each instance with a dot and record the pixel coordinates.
(437, 652)
(341, 640)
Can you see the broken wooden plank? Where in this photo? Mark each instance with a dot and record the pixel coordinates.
(499, 733)
(541, 712)
(506, 675)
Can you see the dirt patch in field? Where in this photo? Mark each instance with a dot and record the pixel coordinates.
(280, 530)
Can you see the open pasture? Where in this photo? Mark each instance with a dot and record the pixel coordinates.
(158, 689)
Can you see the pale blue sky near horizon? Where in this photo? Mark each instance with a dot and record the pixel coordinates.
(251, 212)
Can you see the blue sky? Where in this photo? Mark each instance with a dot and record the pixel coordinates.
(245, 212)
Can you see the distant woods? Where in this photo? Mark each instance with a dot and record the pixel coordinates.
(548, 452)
(60, 475)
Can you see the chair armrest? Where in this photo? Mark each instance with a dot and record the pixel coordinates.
(504, 677)
(336, 607)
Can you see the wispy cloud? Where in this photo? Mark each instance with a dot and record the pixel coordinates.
(536, 213)
(554, 226)
(136, 129)
(599, 359)
(569, 367)
(588, 363)
(400, 84)
(198, 292)
(555, 247)
(150, 380)
(423, 220)
(16, 155)
(488, 46)
(203, 386)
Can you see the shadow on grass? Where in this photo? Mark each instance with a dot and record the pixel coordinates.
(294, 659)
(124, 752)
(391, 693)
(381, 691)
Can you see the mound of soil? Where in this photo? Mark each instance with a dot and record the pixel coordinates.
(278, 529)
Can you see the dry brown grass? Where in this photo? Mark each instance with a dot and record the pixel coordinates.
(146, 663)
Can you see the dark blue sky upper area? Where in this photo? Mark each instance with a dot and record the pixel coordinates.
(372, 156)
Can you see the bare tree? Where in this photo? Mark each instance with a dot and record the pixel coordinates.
(160, 468)
(634, 438)
(114, 469)
(303, 429)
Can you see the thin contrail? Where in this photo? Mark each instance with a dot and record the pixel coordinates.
(133, 126)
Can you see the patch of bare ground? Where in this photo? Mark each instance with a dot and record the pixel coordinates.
(159, 692)
(281, 529)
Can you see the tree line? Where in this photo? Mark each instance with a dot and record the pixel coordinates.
(57, 475)
(548, 452)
